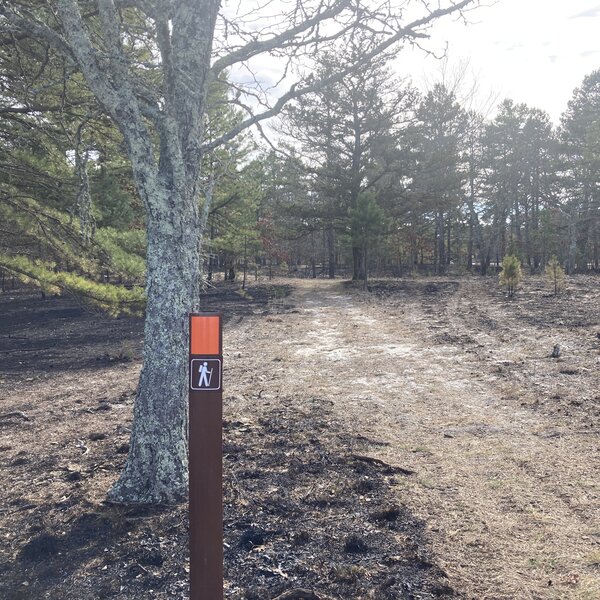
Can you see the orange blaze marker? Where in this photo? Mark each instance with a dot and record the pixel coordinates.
(205, 456)
(205, 335)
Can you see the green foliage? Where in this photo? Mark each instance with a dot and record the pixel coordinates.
(115, 299)
(43, 232)
(42, 246)
(42, 211)
(234, 221)
(555, 275)
(367, 221)
(232, 185)
(420, 156)
(511, 274)
(438, 136)
(51, 235)
(125, 251)
(113, 203)
(349, 136)
(580, 173)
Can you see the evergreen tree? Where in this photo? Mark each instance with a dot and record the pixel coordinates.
(580, 137)
(439, 168)
(511, 274)
(366, 223)
(349, 134)
(520, 157)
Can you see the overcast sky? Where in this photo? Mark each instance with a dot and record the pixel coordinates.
(533, 51)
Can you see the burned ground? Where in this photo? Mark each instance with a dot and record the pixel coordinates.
(418, 441)
(304, 504)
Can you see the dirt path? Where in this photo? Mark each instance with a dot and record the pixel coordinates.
(510, 496)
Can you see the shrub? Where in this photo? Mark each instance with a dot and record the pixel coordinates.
(511, 274)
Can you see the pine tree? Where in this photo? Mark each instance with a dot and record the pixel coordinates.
(367, 222)
(439, 169)
(349, 134)
(580, 137)
(511, 274)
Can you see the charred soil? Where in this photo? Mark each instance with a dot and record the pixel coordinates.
(416, 441)
(307, 506)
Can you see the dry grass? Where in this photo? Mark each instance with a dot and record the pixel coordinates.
(444, 378)
(509, 494)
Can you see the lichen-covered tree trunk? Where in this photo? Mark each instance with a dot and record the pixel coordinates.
(156, 469)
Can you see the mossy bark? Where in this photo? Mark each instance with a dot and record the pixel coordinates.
(156, 469)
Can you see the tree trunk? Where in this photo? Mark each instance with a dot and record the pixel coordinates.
(358, 270)
(156, 469)
(440, 256)
(518, 232)
(366, 268)
(471, 204)
(210, 256)
(449, 241)
(245, 262)
(331, 251)
(572, 261)
(470, 240)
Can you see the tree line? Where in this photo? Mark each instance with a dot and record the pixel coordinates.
(380, 175)
(368, 174)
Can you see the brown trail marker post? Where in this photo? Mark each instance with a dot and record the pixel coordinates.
(205, 457)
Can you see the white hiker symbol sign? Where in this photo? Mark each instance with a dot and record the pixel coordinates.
(205, 374)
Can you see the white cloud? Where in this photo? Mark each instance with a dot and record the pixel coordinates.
(590, 12)
(532, 51)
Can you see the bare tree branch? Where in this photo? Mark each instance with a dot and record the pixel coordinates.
(256, 47)
(117, 96)
(192, 41)
(28, 25)
(410, 31)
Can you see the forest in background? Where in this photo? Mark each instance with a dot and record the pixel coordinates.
(367, 175)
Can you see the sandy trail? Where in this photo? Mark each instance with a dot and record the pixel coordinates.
(510, 501)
